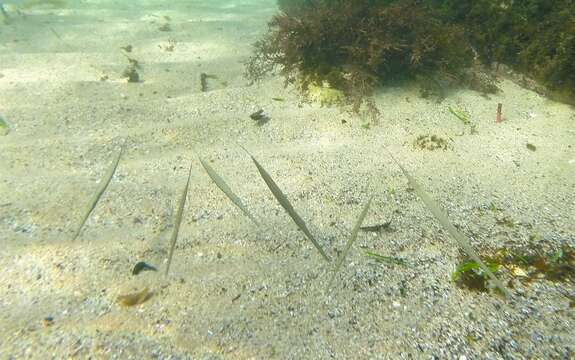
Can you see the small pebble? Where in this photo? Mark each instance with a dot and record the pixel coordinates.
(48, 321)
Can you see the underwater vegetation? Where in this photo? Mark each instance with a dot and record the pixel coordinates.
(355, 46)
(526, 265)
(534, 37)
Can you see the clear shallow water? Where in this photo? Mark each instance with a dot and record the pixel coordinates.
(236, 291)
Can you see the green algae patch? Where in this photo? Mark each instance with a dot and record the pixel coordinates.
(525, 265)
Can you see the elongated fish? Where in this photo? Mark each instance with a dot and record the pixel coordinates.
(3, 11)
(28, 4)
(3, 7)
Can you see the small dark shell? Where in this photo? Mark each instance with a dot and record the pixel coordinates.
(142, 266)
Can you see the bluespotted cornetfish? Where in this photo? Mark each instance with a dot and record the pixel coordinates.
(441, 216)
(178, 221)
(96, 197)
(285, 203)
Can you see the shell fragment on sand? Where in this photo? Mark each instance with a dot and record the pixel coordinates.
(136, 298)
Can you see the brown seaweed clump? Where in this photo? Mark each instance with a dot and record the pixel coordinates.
(535, 37)
(353, 46)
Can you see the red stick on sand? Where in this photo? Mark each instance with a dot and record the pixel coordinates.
(499, 118)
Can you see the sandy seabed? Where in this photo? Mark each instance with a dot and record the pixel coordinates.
(237, 291)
